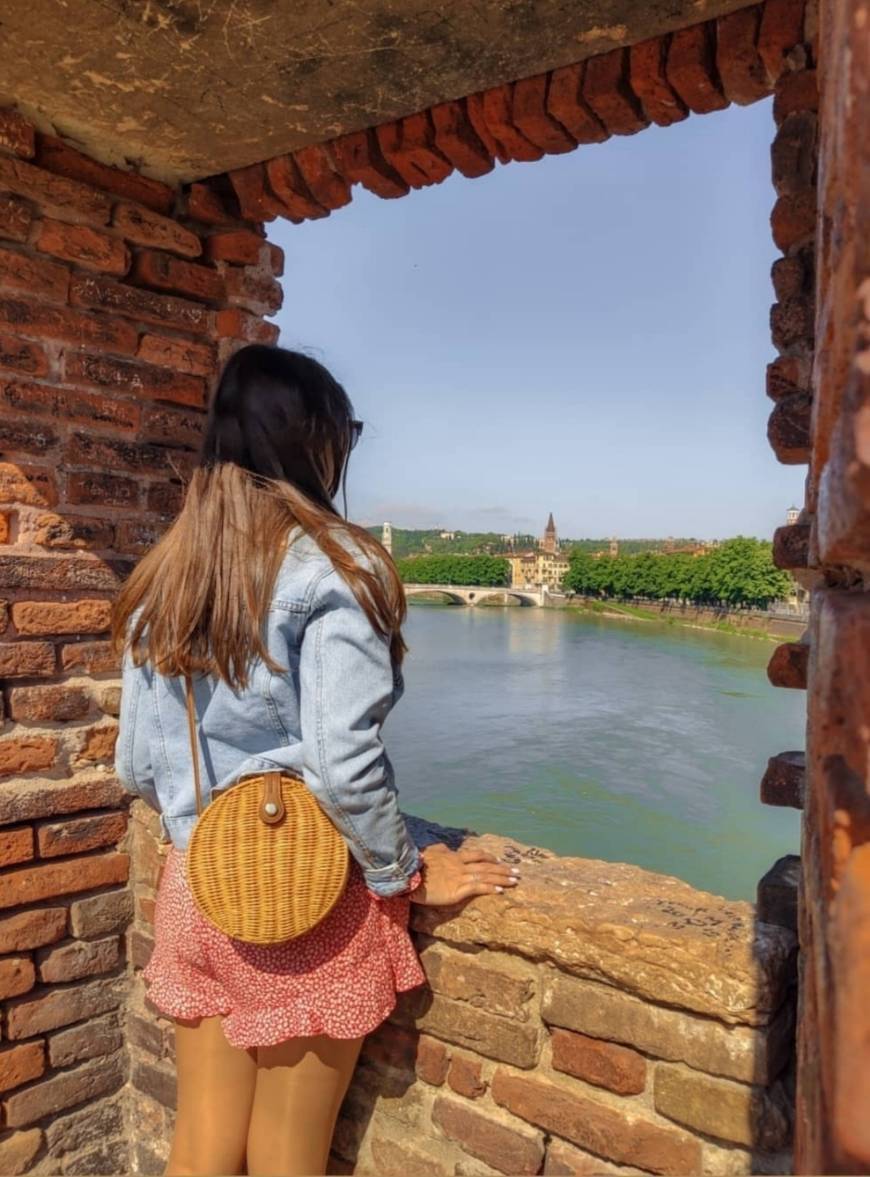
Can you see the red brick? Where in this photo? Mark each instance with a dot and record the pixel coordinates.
(68, 326)
(165, 498)
(165, 272)
(136, 538)
(16, 976)
(56, 156)
(98, 748)
(68, 405)
(206, 204)
(457, 140)
(792, 276)
(432, 1060)
(358, 158)
(788, 374)
(19, 1151)
(165, 424)
(101, 915)
(565, 102)
(30, 485)
(255, 290)
(564, 1160)
(5, 527)
(789, 429)
(164, 310)
(793, 220)
(618, 1135)
(408, 145)
(104, 490)
(784, 782)
(139, 948)
(81, 834)
(791, 324)
(793, 154)
(290, 190)
(48, 617)
(276, 260)
(135, 379)
(691, 69)
(603, 1064)
(234, 323)
(30, 884)
(55, 194)
(88, 248)
(782, 23)
(741, 70)
(20, 356)
(31, 929)
(16, 845)
(532, 118)
(480, 126)
(56, 704)
(244, 247)
(99, 452)
(648, 79)
(29, 799)
(79, 571)
(796, 91)
(16, 134)
(327, 187)
(497, 107)
(72, 531)
(20, 754)
(81, 958)
(145, 908)
(466, 1076)
(256, 201)
(16, 217)
(91, 1039)
(142, 226)
(63, 1090)
(20, 1064)
(90, 658)
(788, 665)
(26, 437)
(510, 1148)
(26, 659)
(607, 92)
(35, 276)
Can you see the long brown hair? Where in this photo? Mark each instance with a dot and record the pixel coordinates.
(277, 440)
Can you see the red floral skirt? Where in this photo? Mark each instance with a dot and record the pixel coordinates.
(340, 979)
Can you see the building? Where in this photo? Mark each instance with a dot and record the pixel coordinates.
(544, 565)
(387, 537)
(792, 515)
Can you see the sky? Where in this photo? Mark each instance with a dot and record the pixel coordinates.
(585, 335)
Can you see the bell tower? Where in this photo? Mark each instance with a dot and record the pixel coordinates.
(550, 542)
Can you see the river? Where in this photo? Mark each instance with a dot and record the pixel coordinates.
(628, 741)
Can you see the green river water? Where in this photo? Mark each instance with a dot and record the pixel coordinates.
(628, 741)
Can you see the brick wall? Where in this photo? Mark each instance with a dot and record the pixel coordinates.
(118, 297)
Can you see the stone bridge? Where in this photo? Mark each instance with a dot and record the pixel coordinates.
(473, 594)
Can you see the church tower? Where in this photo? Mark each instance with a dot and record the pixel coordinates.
(387, 537)
(550, 542)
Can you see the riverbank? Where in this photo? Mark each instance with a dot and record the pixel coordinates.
(754, 623)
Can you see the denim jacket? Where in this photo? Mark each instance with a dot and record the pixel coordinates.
(320, 718)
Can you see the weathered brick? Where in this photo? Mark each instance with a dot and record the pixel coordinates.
(177, 276)
(79, 571)
(691, 69)
(510, 1148)
(31, 485)
(532, 117)
(76, 328)
(34, 438)
(164, 310)
(793, 154)
(73, 531)
(92, 1039)
(396, 1155)
(85, 488)
(432, 1060)
(52, 1008)
(65, 1090)
(603, 1064)
(327, 187)
(30, 884)
(26, 659)
(25, 800)
(564, 1160)
(19, 355)
(777, 893)
(649, 80)
(100, 452)
(67, 405)
(142, 226)
(497, 107)
(257, 202)
(16, 217)
(477, 117)
(55, 194)
(360, 161)
(471, 1027)
(20, 1064)
(206, 204)
(16, 134)
(788, 665)
(140, 946)
(466, 1076)
(87, 247)
(243, 247)
(165, 425)
(16, 845)
(135, 379)
(154, 1079)
(81, 958)
(255, 290)
(607, 91)
(289, 192)
(793, 220)
(76, 1131)
(19, 1150)
(791, 546)
(792, 276)
(109, 700)
(146, 1033)
(136, 538)
(781, 29)
(32, 929)
(457, 140)
(497, 984)
(792, 324)
(80, 834)
(788, 374)
(234, 323)
(98, 746)
(90, 657)
(34, 276)
(195, 358)
(741, 70)
(165, 498)
(408, 145)
(101, 915)
(48, 617)
(622, 1136)
(796, 91)
(56, 156)
(753, 1116)
(22, 753)
(789, 429)
(16, 976)
(784, 781)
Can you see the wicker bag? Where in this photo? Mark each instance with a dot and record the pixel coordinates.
(265, 863)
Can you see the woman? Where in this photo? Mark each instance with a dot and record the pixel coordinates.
(288, 618)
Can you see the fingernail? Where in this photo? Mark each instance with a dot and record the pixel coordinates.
(499, 888)
(515, 870)
(512, 882)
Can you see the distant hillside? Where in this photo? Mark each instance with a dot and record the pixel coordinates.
(426, 542)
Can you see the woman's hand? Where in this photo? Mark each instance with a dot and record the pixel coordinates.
(449, 876)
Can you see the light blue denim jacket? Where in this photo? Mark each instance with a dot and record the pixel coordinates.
(322, 719)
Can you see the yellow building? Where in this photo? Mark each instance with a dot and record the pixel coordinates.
(546, 565)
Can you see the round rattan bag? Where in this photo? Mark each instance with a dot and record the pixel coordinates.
(264, 863)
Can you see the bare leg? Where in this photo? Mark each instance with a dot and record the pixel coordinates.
(216, 1084)
(300, 1086)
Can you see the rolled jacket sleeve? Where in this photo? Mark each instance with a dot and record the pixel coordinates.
(132, 749)
(347, 688)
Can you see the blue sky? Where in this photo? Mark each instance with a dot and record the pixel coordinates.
(585, 335)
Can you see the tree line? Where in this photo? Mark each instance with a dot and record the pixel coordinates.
(739, 572)
(483, 570)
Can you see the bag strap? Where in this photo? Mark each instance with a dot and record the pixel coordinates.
(194, 750)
